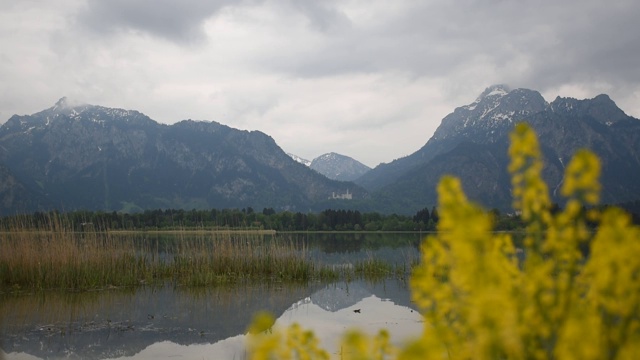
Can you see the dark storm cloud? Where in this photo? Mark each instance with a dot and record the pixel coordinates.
(178, 21)
(181, 21)
(425, 39)
(594, 44)
(539, 43)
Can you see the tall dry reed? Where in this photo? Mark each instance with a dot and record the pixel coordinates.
(55, 257)
(227, 259)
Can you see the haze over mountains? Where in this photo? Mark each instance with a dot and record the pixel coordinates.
(91, 157)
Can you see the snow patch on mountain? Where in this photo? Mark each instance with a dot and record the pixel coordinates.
(299, 159)
(491, 114)
(498, 91)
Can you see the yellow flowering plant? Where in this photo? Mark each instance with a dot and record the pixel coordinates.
(483, 298)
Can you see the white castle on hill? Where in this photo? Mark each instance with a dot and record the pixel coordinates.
(345, 196)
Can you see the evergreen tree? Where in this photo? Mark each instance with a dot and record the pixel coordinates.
(422, 216)
(434, 215)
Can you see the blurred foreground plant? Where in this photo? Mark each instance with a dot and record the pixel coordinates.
(481, 302)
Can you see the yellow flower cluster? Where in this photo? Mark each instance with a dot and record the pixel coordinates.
(294, 343)
(570, 293)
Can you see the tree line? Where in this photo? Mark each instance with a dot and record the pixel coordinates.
(246, 218)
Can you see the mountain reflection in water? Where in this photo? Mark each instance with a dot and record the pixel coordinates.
(205, 324)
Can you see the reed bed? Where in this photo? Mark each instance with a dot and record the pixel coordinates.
(230, 259)
(58, 258)
(43, 260)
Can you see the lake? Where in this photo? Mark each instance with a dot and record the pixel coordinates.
(210, 322)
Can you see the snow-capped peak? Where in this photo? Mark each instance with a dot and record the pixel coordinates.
(65, 103)
(493, 92)
(329, 156)
(338, 167)
(493, 113)
(497, 91)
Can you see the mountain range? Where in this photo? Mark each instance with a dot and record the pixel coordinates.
(72, 157)
(472, 142)
(96, 158)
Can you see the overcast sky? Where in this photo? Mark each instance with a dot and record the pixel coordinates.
(369, 79)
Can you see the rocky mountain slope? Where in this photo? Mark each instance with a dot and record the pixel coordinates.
(91, 157)
(472, 143)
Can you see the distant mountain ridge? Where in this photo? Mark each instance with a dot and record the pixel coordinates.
(472, 144)
(91, 157)
(335, 166)
(339, 167)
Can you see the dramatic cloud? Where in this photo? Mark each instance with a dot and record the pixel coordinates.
(368, 79)
(179, 21)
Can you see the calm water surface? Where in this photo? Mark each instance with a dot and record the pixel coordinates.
(210, 323)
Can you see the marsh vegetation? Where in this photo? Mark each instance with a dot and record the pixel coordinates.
(57, 257)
